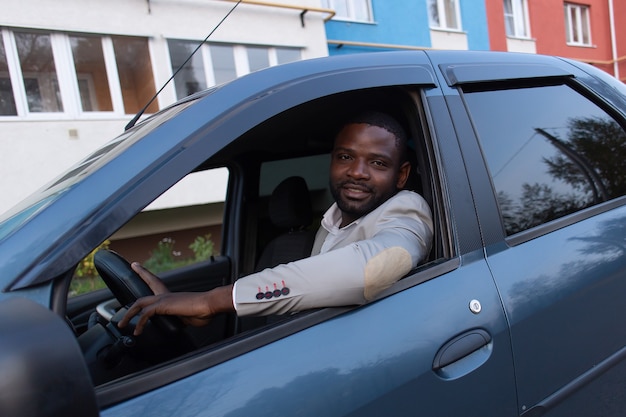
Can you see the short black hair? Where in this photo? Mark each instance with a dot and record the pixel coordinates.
(384, 121)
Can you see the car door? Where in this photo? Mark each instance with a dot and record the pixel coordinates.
(436, 343)
(554, 151)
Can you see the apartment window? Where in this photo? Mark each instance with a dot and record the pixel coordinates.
(135, 73)
(39, 72)
(91, 73)
(516, 18)
(257, 58)
(7, 100)
(213, 64)
(50, 73)
(223, 59)
(285, 55)
(191, 78)
(577, 26)
(356, 10)
(444, 14)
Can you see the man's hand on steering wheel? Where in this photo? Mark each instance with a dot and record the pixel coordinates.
(193, 308)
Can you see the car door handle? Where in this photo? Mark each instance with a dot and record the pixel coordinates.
(460, 346)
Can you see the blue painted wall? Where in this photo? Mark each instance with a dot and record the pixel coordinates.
(474, 22)
(405, 22)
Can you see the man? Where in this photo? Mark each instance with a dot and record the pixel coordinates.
(373, 235)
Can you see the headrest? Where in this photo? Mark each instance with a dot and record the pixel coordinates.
(290, 204)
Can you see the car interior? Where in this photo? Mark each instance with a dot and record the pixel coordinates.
(276, 195)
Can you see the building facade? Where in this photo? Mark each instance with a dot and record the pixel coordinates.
(591, 31)
(364, 25)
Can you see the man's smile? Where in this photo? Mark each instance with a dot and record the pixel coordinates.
(355, 191)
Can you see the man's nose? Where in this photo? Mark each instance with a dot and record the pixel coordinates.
(358, 169)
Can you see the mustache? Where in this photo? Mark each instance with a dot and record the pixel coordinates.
(355, 184)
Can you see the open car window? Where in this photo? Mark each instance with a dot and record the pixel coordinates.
(180, 228)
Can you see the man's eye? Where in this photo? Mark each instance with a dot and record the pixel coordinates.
(343, 157)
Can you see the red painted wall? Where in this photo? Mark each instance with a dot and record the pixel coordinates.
(495, 22)
(547, 20)
(547, 28)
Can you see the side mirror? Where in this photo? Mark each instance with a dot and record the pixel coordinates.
(42, 370)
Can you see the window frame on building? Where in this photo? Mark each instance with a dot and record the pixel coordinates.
(69, 79)
(442, 19)
(238, 66)
(577, 24)
(516, 20)
(351, 10)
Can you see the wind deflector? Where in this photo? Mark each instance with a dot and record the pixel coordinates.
(456, 74)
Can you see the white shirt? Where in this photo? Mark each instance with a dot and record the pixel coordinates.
(331, 222)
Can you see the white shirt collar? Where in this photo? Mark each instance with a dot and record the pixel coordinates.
(332, 220)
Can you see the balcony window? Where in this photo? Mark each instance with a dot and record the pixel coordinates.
(257, 58)
(214, 63)
(444, 14)
(135, 73)
(192, 77)
(91, 73)
(43, 74)
(223, 63)
(285, 55)
(38, 72)
(355, 10)
(7, 100)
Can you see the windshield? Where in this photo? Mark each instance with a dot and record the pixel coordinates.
(13, 222)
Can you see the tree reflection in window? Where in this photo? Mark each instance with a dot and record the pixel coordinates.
(592, 160)
(550, 151)
(39, 72)
(7, 100)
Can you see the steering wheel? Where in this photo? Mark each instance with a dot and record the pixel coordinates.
(127, 286)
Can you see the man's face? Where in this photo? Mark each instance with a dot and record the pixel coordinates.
(365, 170)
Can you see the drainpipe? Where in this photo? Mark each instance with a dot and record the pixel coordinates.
(613, 41)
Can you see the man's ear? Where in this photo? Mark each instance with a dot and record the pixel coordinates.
(403, 174)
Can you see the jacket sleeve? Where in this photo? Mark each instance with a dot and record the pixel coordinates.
(349, 275)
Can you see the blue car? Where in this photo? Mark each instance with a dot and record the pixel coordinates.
(515, 312)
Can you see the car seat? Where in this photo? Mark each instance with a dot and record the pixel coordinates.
(290, 212)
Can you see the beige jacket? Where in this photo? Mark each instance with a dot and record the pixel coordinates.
(357, 263)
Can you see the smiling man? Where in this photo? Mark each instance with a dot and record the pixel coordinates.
(372, 236)
(368, 165)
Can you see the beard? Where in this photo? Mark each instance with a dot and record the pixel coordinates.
(357, 208)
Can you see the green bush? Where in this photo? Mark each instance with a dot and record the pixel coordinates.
(163, 258)
(86, 277)
(202, 248)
